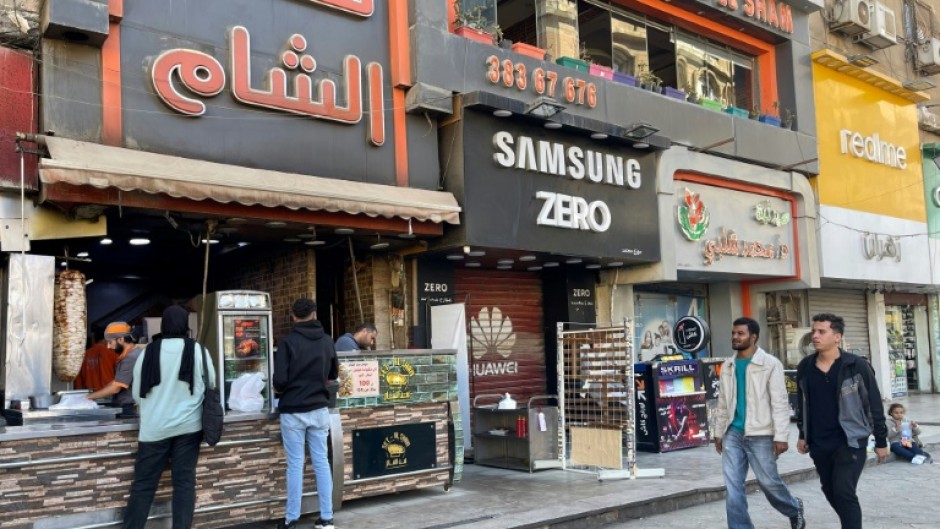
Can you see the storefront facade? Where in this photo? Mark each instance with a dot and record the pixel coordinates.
(873, 225)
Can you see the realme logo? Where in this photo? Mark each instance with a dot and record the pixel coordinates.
(873, 149)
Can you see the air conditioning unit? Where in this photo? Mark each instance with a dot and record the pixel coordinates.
(928, 56)
(851, 17)
(884, 31)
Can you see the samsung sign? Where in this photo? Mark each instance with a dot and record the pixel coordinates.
(557, 159)
(530, 188)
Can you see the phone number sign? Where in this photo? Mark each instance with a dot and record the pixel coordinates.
(541, 81)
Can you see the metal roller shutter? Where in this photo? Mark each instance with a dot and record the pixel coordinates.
(504, 332)
(852, 306)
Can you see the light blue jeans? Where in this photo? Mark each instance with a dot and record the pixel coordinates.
(311, 427)
(739, 452)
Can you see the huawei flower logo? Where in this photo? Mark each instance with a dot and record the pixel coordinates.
(693, 216)
(491, 332)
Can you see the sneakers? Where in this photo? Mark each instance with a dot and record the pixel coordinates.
(918, 460)
(323, 524)
(798, 521)
(288, 525)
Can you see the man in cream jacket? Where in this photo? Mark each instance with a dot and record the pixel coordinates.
(751, 427)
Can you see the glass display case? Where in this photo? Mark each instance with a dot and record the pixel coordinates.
(238, 331)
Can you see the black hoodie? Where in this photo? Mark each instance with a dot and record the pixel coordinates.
(304, 361)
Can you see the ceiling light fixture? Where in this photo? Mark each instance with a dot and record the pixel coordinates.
(410, 234)
(544, 107)
(504, 261)
(641, 145)
(534, 268)
(615, 264)
(501, 113)
(139, 241)
(472, 264)
(527, 258)
(639, 130)
(275, 224)
(573, 260)
(455, 257)
(476, 253)
(599, 136)
(315, 243)
(552, 125)
(236, 220)
(380, 244)
(213, 241)
(344, 231)
(106, 241)
(81, 254)
(504, 267)
(550, 264)
(593, 266)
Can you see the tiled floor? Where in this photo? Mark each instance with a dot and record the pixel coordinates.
(490, 498)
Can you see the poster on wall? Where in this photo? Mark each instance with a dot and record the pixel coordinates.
(656, 316)
(682, 422)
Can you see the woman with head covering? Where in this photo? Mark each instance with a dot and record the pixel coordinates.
(170, 393)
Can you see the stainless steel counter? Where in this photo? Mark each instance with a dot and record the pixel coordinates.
(68, 428)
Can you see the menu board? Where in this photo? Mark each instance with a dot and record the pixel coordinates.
(359, 378)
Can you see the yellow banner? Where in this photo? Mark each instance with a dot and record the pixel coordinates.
(869, 148)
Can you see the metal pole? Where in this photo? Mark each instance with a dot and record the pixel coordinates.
(352, 257)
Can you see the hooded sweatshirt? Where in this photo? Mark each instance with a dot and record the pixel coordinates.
(304, 361)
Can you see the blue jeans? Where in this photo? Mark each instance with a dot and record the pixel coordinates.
(312, 427)
(907, 453)
(739, 452)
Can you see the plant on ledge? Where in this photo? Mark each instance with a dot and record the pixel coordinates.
(471, 24)
(647, 79)
(773, 117)
(788, 119)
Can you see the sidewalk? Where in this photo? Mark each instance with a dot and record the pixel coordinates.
(490, 498)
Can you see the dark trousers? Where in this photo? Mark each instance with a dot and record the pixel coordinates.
(907, 453)
(182, 451)
(839, 470)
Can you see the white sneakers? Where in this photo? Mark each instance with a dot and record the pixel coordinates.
(919, 460)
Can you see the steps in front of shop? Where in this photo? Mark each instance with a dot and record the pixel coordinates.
(601, 517)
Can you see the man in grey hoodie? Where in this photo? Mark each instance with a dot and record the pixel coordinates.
(839, 406)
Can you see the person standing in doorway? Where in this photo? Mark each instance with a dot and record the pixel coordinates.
(169, 386)
(304, 363)
(751, 424)
(363, 338)
(839, 406)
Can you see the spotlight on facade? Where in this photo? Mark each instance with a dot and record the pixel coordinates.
(639, 131)
(544, 107)
(919, 85)
(862, 60)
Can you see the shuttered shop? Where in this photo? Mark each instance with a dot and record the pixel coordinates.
(504, 332)
(852, 306)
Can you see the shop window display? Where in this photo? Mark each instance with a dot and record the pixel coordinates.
(902, 348)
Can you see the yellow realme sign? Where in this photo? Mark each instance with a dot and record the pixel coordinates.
(869, 154)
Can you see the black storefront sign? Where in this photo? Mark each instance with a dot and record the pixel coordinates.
(394, 449)
(528, 188)
(435, 282)
(691, 334)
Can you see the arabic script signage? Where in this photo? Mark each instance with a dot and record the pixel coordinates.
(726, 230)
(289, 87)
(777, 15)
(876, 247)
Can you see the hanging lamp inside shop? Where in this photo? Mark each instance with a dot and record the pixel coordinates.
(379, 245)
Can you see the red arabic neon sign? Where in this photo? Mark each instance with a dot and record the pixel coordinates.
(204, 76)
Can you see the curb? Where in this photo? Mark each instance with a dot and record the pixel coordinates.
(672, 502)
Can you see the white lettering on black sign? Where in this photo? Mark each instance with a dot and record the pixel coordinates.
(435, 287)
(676, 369)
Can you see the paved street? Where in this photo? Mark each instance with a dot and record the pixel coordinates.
(886, 492)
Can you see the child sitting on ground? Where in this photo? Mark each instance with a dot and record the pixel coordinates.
(903, 436)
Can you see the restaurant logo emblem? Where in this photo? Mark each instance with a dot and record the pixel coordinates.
(693, 216)
(396, 450)
(491, 335)
(396, 374)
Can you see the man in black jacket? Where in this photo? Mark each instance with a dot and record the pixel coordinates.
(839, 406)
(304, 362)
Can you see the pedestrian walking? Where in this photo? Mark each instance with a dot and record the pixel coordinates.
(169, 387)
(839, 407)
(304, 363)
(751, 427)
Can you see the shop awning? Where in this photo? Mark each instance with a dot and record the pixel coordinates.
(100, 166)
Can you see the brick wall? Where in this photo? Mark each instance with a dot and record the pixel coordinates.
(375, 274)
(286, 275)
